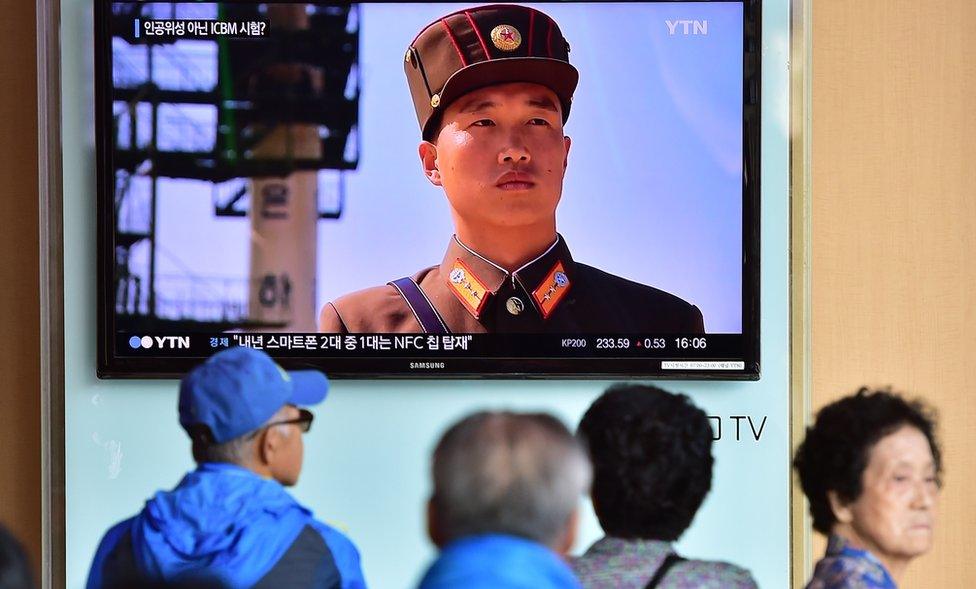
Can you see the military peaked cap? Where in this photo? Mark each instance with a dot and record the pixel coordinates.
(483, 46)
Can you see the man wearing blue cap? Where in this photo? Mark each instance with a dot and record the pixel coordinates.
(230, 520)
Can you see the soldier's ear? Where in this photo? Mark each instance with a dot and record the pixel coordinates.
(568, 143)
(428, 158)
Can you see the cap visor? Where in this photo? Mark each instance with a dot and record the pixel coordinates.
(308, 387)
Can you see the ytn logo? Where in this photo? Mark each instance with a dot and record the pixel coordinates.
(171, 342)
(687, 27)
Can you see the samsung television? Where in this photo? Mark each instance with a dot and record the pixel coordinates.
(430, 190)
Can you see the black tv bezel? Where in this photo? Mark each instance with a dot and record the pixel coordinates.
(111, 365)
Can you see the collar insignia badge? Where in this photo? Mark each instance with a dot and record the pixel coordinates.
(466, 286)
(551, 290)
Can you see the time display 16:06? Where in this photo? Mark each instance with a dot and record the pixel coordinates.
(695, 343)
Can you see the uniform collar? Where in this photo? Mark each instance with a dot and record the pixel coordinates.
(474, 279)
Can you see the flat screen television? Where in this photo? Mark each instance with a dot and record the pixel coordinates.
(402, 189)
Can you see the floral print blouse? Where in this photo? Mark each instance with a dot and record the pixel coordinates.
(846, 567)
(615, 563)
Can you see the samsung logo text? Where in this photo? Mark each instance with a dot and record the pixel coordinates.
(426, 366)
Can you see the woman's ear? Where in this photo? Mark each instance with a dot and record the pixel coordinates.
(842, 510)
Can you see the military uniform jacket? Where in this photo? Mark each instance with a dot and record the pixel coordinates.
(551, 294)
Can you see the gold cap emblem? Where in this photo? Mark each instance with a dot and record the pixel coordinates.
(435, 100)
(506, 37)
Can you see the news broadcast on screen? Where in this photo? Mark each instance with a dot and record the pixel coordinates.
(535, 190)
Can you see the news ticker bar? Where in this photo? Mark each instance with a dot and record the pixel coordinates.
(674, 347)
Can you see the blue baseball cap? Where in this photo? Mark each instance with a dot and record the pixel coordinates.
(236, 391)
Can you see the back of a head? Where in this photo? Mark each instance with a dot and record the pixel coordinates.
(521, 474)
(652, 461)
(15, 570)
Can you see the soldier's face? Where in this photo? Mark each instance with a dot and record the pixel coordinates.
(501, 156)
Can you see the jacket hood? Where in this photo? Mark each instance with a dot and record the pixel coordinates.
(220, 520)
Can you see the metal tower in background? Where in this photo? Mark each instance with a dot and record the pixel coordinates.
(265, 121)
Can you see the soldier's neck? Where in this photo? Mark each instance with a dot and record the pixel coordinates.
(509, 247)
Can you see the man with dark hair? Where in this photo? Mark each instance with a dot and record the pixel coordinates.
(652, 467)
(492, 88)
(231, 520)
(504, 507)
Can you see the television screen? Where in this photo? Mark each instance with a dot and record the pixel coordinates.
(430, 190)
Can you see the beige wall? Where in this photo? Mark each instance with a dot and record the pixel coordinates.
(894, 229)
(20, 474)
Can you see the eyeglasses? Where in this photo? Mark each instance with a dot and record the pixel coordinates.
(303, 421)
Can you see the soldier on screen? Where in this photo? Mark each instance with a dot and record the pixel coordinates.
(492, 87)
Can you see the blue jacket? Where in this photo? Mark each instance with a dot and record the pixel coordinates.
(498, 562)
(225, 523)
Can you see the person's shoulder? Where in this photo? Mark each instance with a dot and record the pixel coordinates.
(848, 572)
(630, 289)
(116, 532)
(682, 315)
(333, 537)
(378, 309)
(344, 553)
(109, 543)
(597, 571)
(318, 557)
(710, 574)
